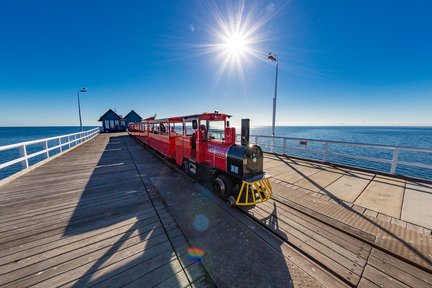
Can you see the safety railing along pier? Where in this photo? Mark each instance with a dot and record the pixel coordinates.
(41, 149)
(395, 160)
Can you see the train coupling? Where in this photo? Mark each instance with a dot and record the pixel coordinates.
(254, 190)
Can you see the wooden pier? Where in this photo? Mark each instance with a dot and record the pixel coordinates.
(109, 213)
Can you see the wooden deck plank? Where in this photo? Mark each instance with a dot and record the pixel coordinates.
(403, 266)
(396, 273)
(381, 279)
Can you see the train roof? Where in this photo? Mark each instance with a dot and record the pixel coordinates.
(180, 118)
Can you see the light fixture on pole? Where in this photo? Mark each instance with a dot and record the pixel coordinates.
(273, 58)
(79, 105)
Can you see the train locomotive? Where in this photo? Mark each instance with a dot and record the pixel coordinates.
(206, 144)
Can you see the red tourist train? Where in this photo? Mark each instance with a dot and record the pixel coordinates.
(204, 145)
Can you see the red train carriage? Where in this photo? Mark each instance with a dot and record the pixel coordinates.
(204, 144)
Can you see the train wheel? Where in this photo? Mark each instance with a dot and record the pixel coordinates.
(185, 166)
(223, 186)
(231, 201)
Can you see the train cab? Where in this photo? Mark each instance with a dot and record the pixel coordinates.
(206, 139)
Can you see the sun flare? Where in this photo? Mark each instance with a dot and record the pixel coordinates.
(236, 33)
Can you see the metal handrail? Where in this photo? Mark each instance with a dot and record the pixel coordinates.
(394, 162)
(72, 139)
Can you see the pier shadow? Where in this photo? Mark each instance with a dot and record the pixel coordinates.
(341, 203)
(122, 234)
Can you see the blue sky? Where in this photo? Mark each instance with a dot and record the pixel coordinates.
(341, 62)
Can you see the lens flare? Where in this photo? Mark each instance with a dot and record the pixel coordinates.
(195, 254)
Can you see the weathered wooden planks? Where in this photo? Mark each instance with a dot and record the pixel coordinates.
(85, 218)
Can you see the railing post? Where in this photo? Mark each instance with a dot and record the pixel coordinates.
(69, 141)
(284, 145)
(256, 140)
(394, 161)
(46, 148)
(23, 153)
(272, 145)
(60, 144)
(326, 151)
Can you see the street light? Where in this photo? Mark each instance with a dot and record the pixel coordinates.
(273, 58)
(79, 105)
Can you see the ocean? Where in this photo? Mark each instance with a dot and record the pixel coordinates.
(418, 137)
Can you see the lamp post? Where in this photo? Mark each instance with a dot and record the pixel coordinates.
(273, 58)
(79, 105)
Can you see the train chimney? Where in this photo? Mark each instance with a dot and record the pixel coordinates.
(245, 127)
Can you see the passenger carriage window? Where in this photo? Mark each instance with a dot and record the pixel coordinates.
(216, 130)
(164, 128)
(176, 127)
(156, 128)
(189, 129)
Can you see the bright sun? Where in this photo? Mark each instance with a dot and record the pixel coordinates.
(235, 45)
(236, 36)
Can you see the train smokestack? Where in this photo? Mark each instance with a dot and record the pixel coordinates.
(245, 128)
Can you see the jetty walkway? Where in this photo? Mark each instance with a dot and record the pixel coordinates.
(110, 213)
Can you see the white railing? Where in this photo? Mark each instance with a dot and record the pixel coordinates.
(62, 143)
(303, 145)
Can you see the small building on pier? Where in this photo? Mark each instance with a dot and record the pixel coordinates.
(132, 117)
(112, 122)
